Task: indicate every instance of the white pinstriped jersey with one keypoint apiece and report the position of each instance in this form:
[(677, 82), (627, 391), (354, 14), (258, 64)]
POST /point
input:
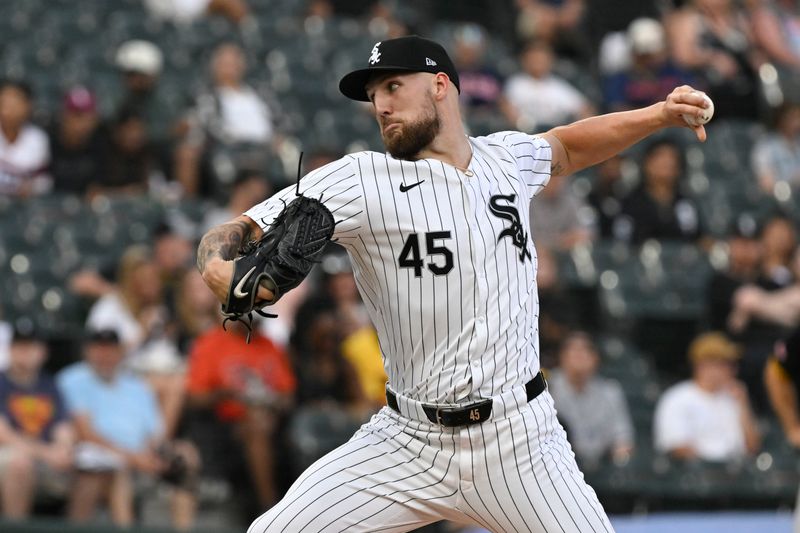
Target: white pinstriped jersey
[(444, 261)]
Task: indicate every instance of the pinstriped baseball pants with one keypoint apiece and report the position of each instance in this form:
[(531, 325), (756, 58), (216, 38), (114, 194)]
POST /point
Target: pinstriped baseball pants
[(516, 473)]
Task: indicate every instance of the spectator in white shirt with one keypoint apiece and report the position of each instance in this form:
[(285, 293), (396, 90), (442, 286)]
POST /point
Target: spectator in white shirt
[(708, 417), (537, 97), (592, 408), (24, 147)]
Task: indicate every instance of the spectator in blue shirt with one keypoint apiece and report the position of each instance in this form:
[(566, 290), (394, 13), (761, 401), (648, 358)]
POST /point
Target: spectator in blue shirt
[(35, 435), (120, 431)]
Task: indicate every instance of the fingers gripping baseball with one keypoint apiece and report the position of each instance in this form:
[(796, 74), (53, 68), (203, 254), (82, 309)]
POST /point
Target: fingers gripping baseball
[(686, 106)]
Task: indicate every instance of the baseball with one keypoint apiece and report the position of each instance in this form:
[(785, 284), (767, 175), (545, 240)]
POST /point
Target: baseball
[(708, 112)]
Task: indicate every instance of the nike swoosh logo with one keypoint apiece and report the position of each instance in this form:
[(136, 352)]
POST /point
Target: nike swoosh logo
[(237, 290), (406, 188)]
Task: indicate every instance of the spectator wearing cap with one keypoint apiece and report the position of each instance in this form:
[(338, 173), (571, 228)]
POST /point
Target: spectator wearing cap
[(120, 435), (145, 97), (480, 84), (709, 416), (593, 409), (36, 437), (651, 75), (78, 144), (24, 147), (776, 156)]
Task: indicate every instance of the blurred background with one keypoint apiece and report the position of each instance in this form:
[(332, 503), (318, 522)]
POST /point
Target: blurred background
[(669, 275)]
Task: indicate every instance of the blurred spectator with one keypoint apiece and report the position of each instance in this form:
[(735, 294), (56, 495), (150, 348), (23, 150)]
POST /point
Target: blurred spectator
[(141, 63), (743, 262), (384, 22), (557, 22), (537, 97), (197, 309), (778, 244), (651, 75), (558, 313), (130, 162), (6, 334), (782, 379), (136, 311), (249, 386), (78, 145), (36, 438), (608, 189), (480, 83), (121, 435), (187, 11), (24, 148), (249, 188), (560, 218), (712, 38), (231, 115), (776, 156), (708, 417), (324, 376), (657, 209), (593, 409), (776, 30)]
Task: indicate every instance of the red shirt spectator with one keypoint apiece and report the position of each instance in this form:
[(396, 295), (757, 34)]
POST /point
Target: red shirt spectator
[(224, 362)]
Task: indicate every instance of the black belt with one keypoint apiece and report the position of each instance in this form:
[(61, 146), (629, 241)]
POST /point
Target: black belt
[(473, 413)]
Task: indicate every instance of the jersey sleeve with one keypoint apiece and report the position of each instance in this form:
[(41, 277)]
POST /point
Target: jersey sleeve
[(336, 185), (531, 154)]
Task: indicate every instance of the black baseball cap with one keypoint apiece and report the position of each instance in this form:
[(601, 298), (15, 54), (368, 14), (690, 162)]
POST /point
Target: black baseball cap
[(411, 54)]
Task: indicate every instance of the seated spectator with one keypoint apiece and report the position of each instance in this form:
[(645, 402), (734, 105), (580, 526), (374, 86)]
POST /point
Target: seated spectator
[(121, 435), (557, 22), (707, 417), (609, 187), (230, 115), (24, 148), (593, 409), (776, 156), (657, 209), (249, 188), (775, 24), (196, 308), (480, 83), (136, 311), (712, 39), (778, 244), (558, 309), (560, 218), (744, 258), (78, 144), (249, 386), (537, 97), (36, 438), (187, 11), (782, 378), (130, 163), (651, 76)]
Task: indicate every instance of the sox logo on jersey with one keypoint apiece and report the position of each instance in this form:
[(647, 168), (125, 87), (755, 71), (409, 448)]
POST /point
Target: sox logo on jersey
[(442, 260)]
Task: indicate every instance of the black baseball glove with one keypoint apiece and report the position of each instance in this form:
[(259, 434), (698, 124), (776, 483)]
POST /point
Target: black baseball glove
[(280, 259)]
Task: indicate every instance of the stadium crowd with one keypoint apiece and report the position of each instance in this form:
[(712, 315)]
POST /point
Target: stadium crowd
[(154, 392)]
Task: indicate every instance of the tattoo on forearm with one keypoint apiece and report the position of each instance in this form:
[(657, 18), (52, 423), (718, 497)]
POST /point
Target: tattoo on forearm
[(223, 241), (556, 169)]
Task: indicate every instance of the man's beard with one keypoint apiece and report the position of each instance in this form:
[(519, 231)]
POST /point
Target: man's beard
[(413, 137)]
